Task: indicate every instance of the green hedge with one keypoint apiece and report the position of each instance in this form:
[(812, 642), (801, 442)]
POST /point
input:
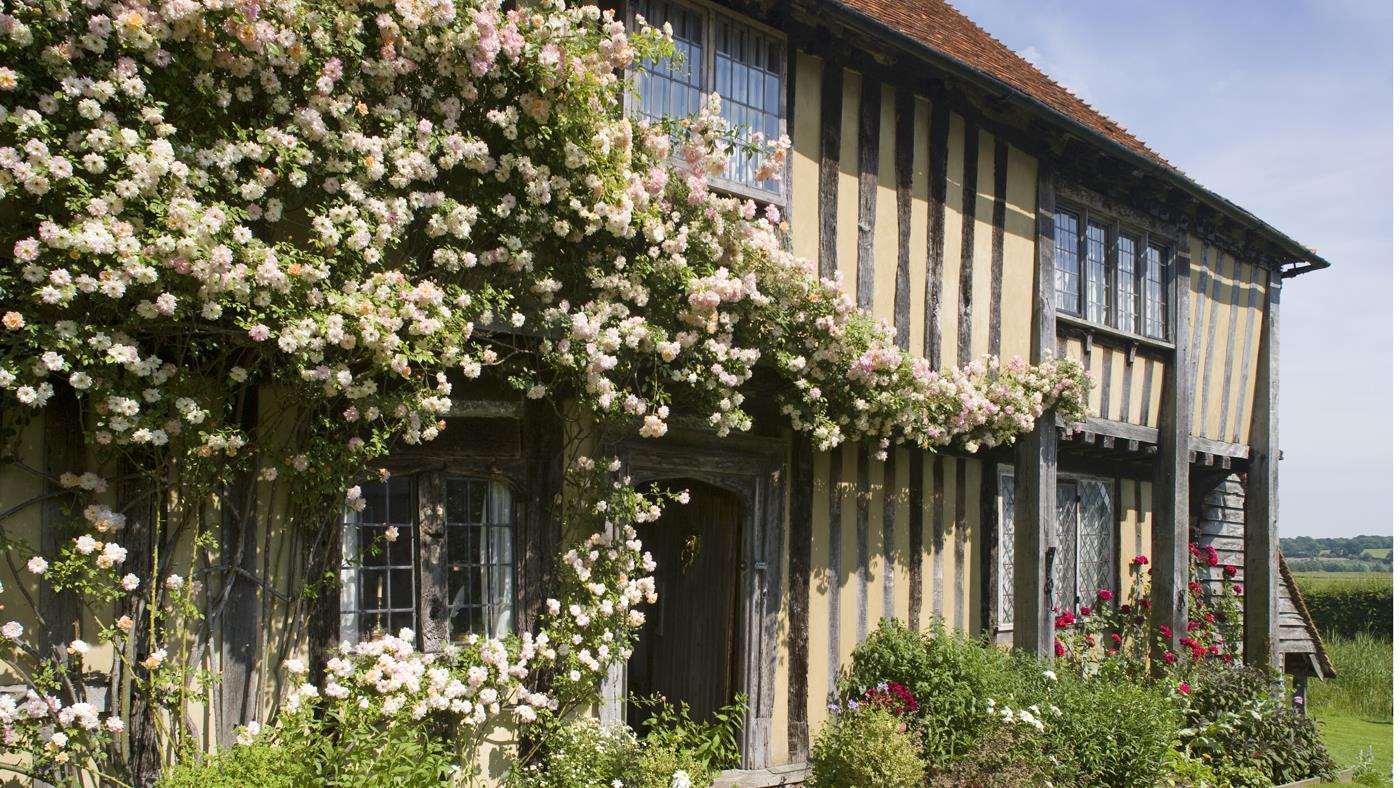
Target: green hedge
[(1351, 608)]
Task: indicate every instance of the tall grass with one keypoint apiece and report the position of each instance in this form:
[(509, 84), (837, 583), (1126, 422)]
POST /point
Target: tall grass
[(1365, 672)]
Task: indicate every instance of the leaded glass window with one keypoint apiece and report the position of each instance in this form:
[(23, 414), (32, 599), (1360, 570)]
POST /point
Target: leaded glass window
[(1111, 275), (1127, 283), (672, 87), (1006, 494), (717, 52), (384, 563), (480, 574), (1084, 556), (1067, 269), (1154, 292), (378, 589)]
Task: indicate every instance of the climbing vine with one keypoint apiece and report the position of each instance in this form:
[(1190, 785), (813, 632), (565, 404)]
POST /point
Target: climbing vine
[(346, 212)]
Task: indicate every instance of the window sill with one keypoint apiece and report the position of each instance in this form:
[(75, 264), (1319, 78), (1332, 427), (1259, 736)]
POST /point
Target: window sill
[(1114, 334)]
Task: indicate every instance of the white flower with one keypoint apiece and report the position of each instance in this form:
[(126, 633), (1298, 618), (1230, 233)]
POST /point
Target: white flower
[(680, 779), (391, 534), (115, 724), (86, 544), (174, 582), (12, 631), (131, 582), (38, 565), (295, 666), (78, 647)]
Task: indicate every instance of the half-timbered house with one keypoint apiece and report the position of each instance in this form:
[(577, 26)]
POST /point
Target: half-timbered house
[(981, 209)]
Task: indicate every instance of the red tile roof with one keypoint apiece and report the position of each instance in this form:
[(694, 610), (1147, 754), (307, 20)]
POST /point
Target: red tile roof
[(936, 24)]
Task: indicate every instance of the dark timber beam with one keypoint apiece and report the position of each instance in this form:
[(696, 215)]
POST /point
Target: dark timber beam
[(1037, 460), (1261, 497), (1171, 477)]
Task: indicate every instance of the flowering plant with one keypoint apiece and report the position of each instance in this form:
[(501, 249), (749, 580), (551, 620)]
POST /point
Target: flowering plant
[(1118, 634), (252, 246)]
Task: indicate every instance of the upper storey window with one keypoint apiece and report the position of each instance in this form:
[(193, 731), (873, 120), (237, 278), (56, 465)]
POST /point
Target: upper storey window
[(1111, 274), (717, 52)]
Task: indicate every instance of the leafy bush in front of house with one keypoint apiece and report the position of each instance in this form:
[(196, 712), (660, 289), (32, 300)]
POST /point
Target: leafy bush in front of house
[(585, 753), (866, 744), (713, 743), (1105, 730), (262, 764), (950, 675), (1236, 719)]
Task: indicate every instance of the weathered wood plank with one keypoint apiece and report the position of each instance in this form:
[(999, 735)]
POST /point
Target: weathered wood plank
[(887, 533), (1230, 344), (240, 621), (1037, 460), (960, 545), (863, 577), (1261, 497), (63, 453), (904, 190), (937, 218), (940, 526), (835, 527), (1201, 422), (1147, 393), (799, 590), (1127, 398), (832, 96), (868, 143), (916, 535), (1106, 382), (998, 244), (971, 147), (1171, 473), (432, 561), (1247, 357)]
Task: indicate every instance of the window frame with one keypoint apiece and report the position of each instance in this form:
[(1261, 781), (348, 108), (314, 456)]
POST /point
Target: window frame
[(1004, 614), (428, 532), (1144, 239), (710, 13)]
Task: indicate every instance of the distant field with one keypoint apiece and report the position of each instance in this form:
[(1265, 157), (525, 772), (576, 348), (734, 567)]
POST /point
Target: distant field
[(1307, 580)]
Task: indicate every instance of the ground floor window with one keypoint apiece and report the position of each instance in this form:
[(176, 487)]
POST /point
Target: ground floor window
[(1083, 561), (383, 560)]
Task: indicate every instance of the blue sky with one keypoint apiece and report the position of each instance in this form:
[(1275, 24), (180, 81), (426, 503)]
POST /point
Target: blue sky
[(1284, 107)]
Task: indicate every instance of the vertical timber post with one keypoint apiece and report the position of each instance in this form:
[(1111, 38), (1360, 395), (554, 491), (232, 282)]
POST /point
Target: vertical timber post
[(1037, 455), (1261, 497), (241, 619), (1171, 476)]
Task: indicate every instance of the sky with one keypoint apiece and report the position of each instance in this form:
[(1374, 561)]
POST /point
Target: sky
[(1284, 107)]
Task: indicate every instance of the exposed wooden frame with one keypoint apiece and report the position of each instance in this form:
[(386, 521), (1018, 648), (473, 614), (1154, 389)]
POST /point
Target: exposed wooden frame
[(799, 590), (241, 622), (1171, 473), (868, 163), (1037, 455), (1261, 496)]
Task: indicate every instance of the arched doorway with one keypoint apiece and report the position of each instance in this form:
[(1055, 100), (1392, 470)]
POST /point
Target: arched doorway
[(687, 648)]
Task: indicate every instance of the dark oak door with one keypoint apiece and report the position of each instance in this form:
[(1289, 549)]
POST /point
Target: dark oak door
[(686, 648)]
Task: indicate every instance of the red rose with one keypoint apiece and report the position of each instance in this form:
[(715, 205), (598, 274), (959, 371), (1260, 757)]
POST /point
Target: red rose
[(1105, 594), (1140, 560), (1059, 648), (1184, 688), (1230, 570)]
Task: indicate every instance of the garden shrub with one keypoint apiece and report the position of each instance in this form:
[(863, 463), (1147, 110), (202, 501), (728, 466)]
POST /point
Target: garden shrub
[(261, 764), (865, 745), (1235, 719), (950, 675), (713, 743), (1102, 730), (1349, 609)]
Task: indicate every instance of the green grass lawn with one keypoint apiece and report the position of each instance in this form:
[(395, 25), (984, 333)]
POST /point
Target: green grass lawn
[(1348, 738), (1354, 710)]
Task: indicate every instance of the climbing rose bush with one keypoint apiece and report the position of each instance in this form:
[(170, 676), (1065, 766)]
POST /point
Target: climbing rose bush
[(350, 209)]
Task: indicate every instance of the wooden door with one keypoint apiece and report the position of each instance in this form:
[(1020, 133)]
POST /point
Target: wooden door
[(686, 648)]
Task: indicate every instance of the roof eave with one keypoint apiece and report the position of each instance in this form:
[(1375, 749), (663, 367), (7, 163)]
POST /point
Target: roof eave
[(1306, 259)]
